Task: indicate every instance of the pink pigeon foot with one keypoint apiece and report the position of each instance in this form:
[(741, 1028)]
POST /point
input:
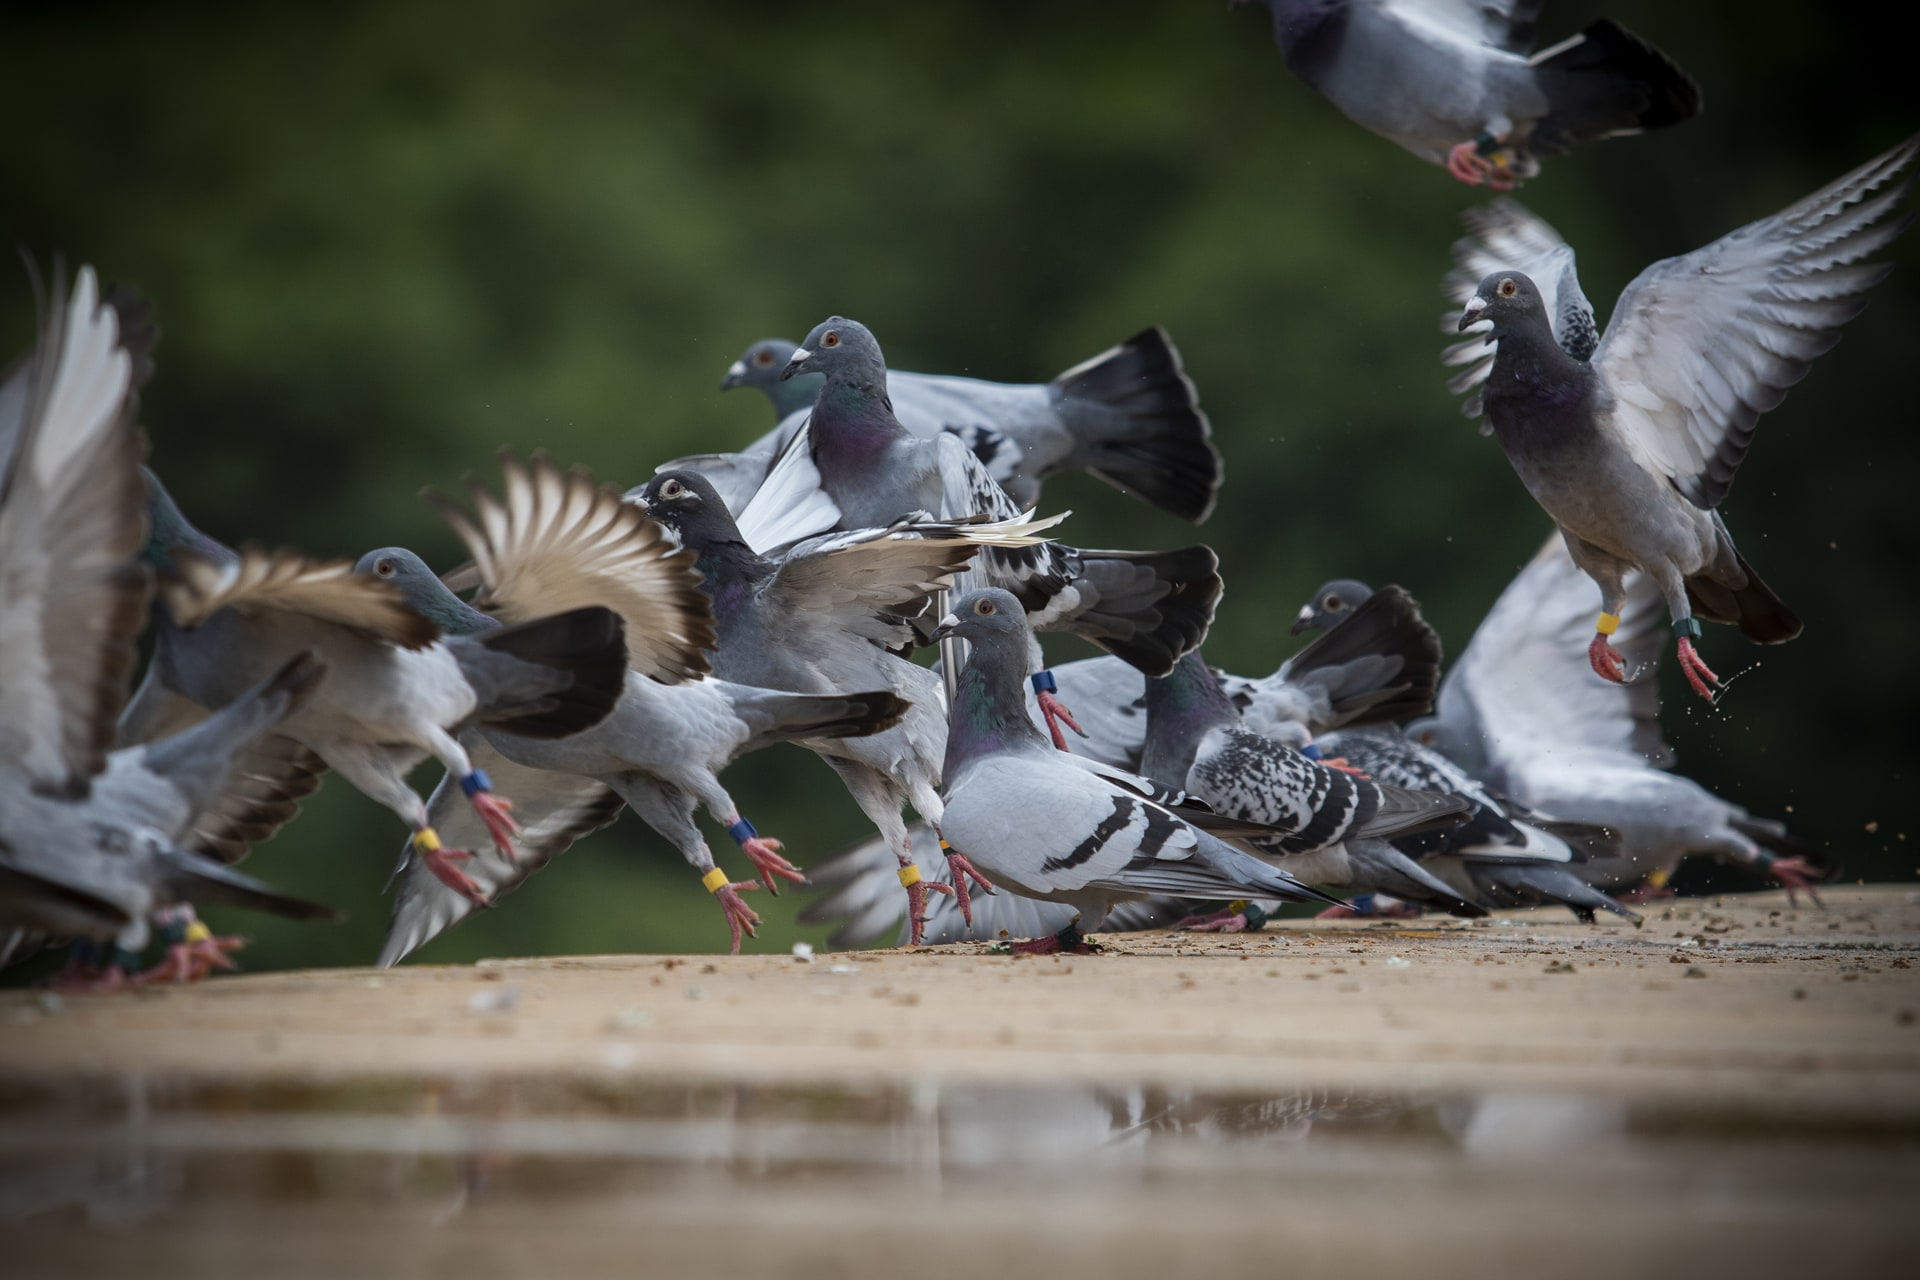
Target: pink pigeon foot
[(1055, 713), (445, 865), (194, 959), (1795, 873), (1235, 919), (496, 812), (1653, 888), (1367, 907), (1695, 668), (962, 871), (740, 916), (917, 890), (1606, 660), (1069, 941), (765, 856), (93, 969), (1467, 164)]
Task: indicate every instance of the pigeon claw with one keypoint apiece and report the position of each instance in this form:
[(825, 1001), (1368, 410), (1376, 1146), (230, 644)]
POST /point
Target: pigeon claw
[(962, 871), (193, 960), (82, 978), (497, 813), (1695, 669), (1340, 763), (766, 859), (1467, 164), (740, 916), (1606, 660), (445, 865), (917, 908), (1055, 713), (1795, 873), (1218, 922)]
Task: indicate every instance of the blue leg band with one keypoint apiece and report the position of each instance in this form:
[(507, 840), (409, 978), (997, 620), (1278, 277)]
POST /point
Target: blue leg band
[(1688, 627), (1363, 905), (742, 831), (1043, 682), (1312, 751), (476, 782)]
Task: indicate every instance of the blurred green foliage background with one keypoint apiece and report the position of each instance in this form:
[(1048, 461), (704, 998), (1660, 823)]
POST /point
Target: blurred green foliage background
[(386, 238)]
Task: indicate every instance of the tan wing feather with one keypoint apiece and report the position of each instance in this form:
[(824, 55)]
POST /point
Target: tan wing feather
[(328, 590)]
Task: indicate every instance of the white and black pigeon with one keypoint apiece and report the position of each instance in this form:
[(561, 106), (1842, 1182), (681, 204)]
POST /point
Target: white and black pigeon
[(1052, 826), (90, 838), (1512, 713), (831, 615), (661, 751), (1632, 450), (1129, 416), (398, 687), (855, 467), (1458, 82)]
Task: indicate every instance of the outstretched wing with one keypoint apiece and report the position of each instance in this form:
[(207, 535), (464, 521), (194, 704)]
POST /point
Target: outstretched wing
[(1498, 24), (1701, 345), (286, 581)]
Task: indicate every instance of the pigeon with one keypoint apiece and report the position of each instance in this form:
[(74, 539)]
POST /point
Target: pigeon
[(1458, 82), (398, 687), (1331, 605), (1583, 751), (855, 466), (660, 751), (87, 834), (1632, 450), (821, 618), (1326, 825), (1129, 416), (1052, 826)]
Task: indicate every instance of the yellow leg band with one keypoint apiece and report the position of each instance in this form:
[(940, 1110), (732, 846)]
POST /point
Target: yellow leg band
[(715, 880), (945, 847), (909, 876), (1658, 878), (1608, 624), (426, 840), (198, 932)]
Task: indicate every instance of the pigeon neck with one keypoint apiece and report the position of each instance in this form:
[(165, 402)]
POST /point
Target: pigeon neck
[(450, 613), (168, 531), (852, 423), (794, 394), (1182, 707), (1309, 33), (729, 572), (989, 713), (1529, 365)]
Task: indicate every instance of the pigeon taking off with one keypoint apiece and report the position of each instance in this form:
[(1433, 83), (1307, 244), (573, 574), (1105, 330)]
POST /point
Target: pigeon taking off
[(1129, 416), (1050, 826), (1457, 82), (1631, 451)]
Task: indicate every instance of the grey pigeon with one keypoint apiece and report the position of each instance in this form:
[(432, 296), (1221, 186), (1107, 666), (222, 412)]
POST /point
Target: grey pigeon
[(88, 837), (1512, 714), (1631, 451), (660, 751), (398, 688), (1327, 825), (1458, 82), (1048, 825), (1129, 416), (855, 466), (821, 618), (1331, 605)]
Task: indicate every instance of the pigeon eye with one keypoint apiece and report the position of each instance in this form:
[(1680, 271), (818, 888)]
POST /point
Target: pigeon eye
[(763, 358), (984, 608), (672, 489), (1508, 289), (831, 340), (1331, 603), (386, 568)]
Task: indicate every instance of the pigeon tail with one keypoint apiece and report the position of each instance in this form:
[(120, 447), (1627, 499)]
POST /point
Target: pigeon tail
[(588, 646), (1772, 835), (797, 717), (1605, 82), (188, 877), (1511, 884), (1136, 423), (1149, 607), (1760, 614), (1381, 664)]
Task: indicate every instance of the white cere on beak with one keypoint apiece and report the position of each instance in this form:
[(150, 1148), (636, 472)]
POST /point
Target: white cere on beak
[(1476, 304), (1306, 613), (799, 354), (738, 369)]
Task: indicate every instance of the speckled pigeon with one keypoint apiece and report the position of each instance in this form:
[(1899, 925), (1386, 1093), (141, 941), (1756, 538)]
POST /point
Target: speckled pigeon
[(1458, 83), (660, 751), (1631, 451), (1056, 827), (1129, 416)]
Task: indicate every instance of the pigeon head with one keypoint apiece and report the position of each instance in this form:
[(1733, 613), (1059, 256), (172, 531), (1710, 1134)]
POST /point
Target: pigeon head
[(690, 507), (423, 591), (1331, 604), (840, 348), (1508, 299), (168, 530), (760, 366), (990, 618)]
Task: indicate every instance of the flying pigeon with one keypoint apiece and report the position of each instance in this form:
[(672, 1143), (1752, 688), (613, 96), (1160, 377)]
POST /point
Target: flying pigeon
[(1458, 83), (1511, 714), (1129, 416), (821, 618), (855, 466), (1059, 828), (660, 751), (87, 835), (1631, 451), (399, 688)]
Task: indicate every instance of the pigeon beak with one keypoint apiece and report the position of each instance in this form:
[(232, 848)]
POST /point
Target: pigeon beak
[(948, 625), (800, 357), (1475, 305), (736, 375), (1302, 622)]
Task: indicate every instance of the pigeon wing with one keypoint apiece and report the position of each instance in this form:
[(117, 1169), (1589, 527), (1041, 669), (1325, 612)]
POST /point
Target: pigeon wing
[(286, 581)]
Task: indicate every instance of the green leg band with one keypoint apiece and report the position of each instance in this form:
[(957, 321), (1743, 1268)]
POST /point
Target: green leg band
[(1688, 627)]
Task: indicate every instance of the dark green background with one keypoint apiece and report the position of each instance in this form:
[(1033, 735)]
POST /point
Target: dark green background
[(386, 238)]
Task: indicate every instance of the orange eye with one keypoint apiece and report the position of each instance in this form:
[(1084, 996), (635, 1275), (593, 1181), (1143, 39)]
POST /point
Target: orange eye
[(763, 357), (386, 568), (672, 489), (984, 608), (1508, 288), (831, 340)]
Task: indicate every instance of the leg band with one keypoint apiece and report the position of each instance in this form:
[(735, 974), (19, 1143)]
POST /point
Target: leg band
[(715, 880), (1312, 751), (909, 876), (426, 840), (476, 782), (1688, 627), (742, 831), (1043, 682), (1607, 624)]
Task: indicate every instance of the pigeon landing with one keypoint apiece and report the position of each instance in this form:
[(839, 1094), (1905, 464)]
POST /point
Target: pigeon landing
[(1129, 416), (1458, 83), (1050, 826), (661, 751), (1631, 452)]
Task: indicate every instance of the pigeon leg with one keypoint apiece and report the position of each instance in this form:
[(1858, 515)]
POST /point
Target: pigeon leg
[(1694, 666), (495, 811), (739, 915), (1312, 752), (1052, 710), (193, 950), (1604, 658), (963, 870), (917, 889), (764, 854), (1368, 907), (1239, 916), (1653, 887), (1483, 160), (1792, 873), (1069, 941), (92, 968), (445, 865)]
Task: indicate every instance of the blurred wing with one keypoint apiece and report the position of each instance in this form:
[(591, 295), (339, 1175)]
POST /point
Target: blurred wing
[(1701, 345), (1526, 676), (263, 793), (1498, 24), (557, 541), (553, 810), (790, 504), (72, 521), (286, 581), (1506, 236)]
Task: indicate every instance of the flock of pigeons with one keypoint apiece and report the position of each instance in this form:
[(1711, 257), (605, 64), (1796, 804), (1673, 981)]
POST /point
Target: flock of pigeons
[(603, 649)]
